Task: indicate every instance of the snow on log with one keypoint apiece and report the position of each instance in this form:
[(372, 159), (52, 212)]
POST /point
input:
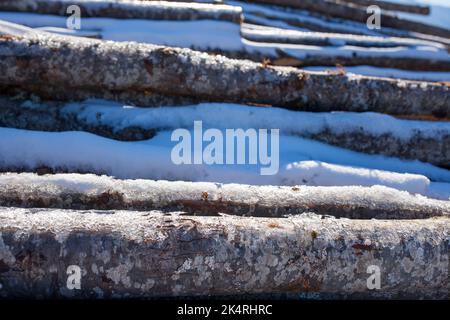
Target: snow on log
[(392, 6), (427, 141), (278, 35), (265, 43), (84, 192), (50, 116), (150, 254), (357, 13), (22, 150), (153, 10), (301, 20), (37, 61)]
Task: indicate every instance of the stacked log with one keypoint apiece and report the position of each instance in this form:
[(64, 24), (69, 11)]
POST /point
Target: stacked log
[(27, 58)]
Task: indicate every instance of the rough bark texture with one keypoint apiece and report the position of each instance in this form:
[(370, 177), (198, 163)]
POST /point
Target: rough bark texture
[(387, 5), (357, 13), (128, 9), (104, 193), (42, 60), (130, 254), (50, 116)]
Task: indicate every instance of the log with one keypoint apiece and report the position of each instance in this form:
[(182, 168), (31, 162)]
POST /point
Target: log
[(86, 192), (357, 13), (278, 35), (40, 60), (426, 141), (400, 53), (393, 6), (260, 17), (50, 116), (140, 255), (153, 10)]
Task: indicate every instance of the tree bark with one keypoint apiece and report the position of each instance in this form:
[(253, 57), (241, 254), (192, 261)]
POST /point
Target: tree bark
[(357, 13), (42, 61), (131, 254), (152, 10), (199, 198)]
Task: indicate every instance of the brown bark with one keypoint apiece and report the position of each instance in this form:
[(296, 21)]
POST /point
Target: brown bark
[(193, 198), (129, 254), (356, 13), (127, 9), (45, 61)]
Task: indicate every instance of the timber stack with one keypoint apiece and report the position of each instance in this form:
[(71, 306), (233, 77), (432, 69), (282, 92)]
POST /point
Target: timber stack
[(87, 120)]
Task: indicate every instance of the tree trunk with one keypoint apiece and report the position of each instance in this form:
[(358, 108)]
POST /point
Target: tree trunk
[(199, 198), (39, 61), (152, 10), (357, 13), (132, 254)]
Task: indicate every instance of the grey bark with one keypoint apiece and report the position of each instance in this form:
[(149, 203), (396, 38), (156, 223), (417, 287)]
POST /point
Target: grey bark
[(15, 112), (127, 9), (357, 13), (387, 5), (39, 60), (104, 193), (129, 254)]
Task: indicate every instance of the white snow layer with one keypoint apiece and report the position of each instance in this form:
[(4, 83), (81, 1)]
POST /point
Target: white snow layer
[(289, 122), (152, 160)]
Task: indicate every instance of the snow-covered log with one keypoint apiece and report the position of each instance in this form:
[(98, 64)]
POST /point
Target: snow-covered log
[(123, 254), (357, 13), (50, 116), (278, 35), (392, 6), (271, 17), (154, 10), (38, 61), (84, 192), (427, 141)]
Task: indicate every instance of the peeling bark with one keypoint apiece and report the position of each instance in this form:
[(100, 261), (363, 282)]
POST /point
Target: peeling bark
[(152, 10), (358, 13), (130, 254), (36, 59), (197, 198)]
